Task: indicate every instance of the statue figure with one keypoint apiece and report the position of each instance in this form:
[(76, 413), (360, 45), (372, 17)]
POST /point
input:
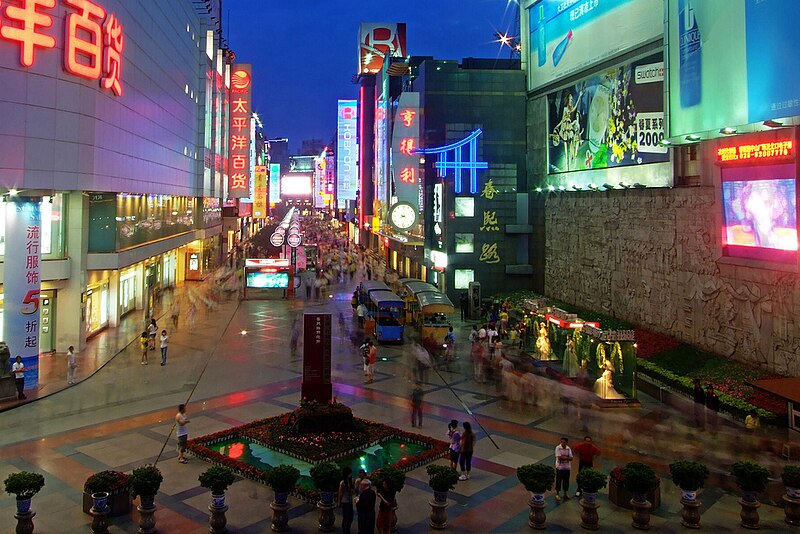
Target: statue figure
[(570, 360), (543, 343)]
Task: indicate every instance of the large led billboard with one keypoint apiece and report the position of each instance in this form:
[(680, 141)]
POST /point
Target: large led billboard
[(760, 212), (376, 40), (267, 280), (569, 36), (732, 62), (346, 152), (296, 184)]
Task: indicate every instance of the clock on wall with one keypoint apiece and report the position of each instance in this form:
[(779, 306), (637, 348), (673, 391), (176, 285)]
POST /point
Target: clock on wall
[(403, 215)]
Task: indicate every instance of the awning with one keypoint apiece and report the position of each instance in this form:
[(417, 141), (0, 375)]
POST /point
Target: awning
[(787, 388), (419, 287), (386, 299), (434, 302)]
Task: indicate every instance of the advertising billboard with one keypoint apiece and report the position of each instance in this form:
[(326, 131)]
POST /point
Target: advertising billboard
[(568, 36), (376, 40), (405, 142), (296, 184), (260, 192), (732, 62), (612, 119), (346, 152), (267, 280), (239, 128), (274, 183)]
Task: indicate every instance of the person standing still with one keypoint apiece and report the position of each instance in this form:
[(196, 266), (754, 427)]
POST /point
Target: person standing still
[(366, 508), (467, 448), (563, 468), (587, 452), (182, 432), (164, 341), (449, 345), (454, 437), (144, 345), (699, 404), (152, 330), (373, 356), (345, 500), (416, 405), (386, 501), (18, 368), (361, 312), (71, 365), (464, 304)]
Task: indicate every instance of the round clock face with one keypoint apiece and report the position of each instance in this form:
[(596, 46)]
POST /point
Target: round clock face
[(403, 216)]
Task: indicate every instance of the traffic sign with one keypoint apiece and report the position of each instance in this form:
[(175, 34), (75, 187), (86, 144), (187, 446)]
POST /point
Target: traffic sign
[(276, 239), (294, 240)]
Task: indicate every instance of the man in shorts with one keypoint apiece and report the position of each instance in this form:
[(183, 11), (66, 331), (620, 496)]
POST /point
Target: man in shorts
[(182, 432)]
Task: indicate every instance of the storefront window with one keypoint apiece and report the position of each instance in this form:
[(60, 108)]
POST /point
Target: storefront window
[(463, 277), (145, 218), (52, 226), (96, 307), (127, 292)]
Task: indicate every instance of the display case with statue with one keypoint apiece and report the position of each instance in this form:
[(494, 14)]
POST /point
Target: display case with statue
[(610, 356)]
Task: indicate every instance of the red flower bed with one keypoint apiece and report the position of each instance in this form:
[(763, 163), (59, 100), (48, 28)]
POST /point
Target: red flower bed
[(651, 343)]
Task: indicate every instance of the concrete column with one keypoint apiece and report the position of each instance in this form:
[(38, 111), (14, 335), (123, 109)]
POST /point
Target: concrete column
[(113, 299), (71, 329)]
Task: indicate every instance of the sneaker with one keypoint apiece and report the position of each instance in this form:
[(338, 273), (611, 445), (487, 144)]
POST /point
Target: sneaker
[(558, 497), (578, 493), (462, 477)]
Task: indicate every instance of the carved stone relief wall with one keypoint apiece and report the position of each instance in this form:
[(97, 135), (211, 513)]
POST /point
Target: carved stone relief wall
[(651, 256)]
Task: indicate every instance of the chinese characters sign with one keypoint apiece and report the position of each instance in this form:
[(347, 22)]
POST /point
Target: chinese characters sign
[(239, 142), (93, 38), (376, 40), (346, 153), (260, 192), (22, 283), (759, 151), (317, 357), (405, 142)]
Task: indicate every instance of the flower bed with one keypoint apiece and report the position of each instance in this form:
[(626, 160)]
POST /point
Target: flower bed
[(275, 434)]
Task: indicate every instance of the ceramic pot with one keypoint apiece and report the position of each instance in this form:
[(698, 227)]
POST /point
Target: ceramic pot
[(100, 500)]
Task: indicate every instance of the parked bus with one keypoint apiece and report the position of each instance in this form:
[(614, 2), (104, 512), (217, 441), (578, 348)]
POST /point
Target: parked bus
[(387, 310), (368, 286), (412, 288), (434, 308)]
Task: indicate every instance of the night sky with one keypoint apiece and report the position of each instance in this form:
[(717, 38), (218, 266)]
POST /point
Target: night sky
[(304, 52)]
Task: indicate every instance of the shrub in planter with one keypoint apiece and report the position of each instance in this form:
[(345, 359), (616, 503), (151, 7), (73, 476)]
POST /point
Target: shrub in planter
[(591, 480), (639, 478), (791, 476), (443, 478), (395, 476), (282, 478), (326, 476), (750, 476), (537, 478), (217, 478), (314, 416), (145, 481), (24, 484), (109, 481), (687, 475)]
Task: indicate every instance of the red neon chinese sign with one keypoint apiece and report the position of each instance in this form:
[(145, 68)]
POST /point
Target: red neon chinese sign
[(93, 40), (408, 175), (239, 138), (407, 146), (756, 151), (407, 116)]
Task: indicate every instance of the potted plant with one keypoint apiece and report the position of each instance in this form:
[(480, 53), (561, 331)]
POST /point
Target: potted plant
[(443, 478), (751, 478), (690, 477), (640, 479), (217, 478), (144, 483), (24, 485), (791, 480), (282, 480), (397, 479), (620, 494), (537, 479), (326, 477), (590, 481), (116, 484)]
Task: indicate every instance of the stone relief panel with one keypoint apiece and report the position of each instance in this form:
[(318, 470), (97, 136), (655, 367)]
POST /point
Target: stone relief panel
[(650, 257)]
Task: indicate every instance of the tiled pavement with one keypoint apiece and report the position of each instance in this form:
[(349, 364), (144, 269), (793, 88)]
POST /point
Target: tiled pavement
[(121, 418)]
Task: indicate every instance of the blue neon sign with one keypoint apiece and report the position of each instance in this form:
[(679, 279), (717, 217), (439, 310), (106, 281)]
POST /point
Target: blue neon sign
[(451, 157)]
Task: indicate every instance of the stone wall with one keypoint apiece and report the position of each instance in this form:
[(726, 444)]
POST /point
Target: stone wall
[(653, 257)]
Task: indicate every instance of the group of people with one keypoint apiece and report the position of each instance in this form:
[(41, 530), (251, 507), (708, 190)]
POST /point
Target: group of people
[(362, 494), (462, 447), (147, 342), (706, 406), (586, 452), (369, 354)]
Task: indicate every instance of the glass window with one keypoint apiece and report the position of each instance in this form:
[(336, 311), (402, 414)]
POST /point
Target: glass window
[(464, 277), (465, 243), (52, 222), (465, 207)]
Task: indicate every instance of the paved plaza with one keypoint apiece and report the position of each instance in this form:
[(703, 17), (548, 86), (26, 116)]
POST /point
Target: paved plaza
[(120, 414)]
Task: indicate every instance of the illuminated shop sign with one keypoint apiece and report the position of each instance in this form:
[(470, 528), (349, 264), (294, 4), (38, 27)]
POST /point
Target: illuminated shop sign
[(757, 151), (93, 38), (376, 40), (405, 142), (239, 143), (274, 183), (452, 157), (346, 153), (260, 192)]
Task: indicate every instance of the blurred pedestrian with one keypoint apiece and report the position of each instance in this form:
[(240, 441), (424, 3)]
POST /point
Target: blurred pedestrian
[(72, 364), (449, 345), (417, 395), (699, 404), (712, 403), (174, 314), (463, 302)]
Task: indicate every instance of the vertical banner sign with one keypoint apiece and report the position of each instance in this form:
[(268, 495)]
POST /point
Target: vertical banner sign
[(376, 41), (239, 142), (22, 284), (260, 192), (317, 357), (319, 182), (405, 142), (274, 183), (346, 153)]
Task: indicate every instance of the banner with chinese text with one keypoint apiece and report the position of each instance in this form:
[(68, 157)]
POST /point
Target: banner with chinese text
[(239, 142), (405, 140), (260, 192)]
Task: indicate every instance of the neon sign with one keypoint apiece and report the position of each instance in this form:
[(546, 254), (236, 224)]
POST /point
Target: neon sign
[(239, 140), (775, 149), (93, 39), (406, 176), (459, 164)]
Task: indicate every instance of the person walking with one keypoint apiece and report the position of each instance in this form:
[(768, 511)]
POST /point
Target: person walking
[(563, 468), (174, 313), (416, 405), (463, 302), (181, 430), (454, 437), (18, 368), (144, 344), (345, 500), (449, 345), (386, 496), (71, 365), (152, 330), (587, 452), (467, 448), (712, 403), (361, 312), (164, 340), (366, 508), (752, 423), (699, 404)]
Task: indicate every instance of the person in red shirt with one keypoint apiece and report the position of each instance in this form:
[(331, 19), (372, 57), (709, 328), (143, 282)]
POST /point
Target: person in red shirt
[(587, 452)]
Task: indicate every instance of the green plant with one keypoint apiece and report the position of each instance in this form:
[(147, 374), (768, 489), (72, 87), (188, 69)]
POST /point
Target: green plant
[(145, 481), (688, 475), (750, 476), (442, 477), (537, 478), (282, 478), (591, 480), (791, 476), (217, 478), (639, 478), (395, 476), (108, 481), (326, 476), (24, 484)]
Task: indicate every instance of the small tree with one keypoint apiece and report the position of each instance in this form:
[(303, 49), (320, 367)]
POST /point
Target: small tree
[(537, 478), (687, 475), (217, 478), (750, 476), (443, 478), (282, 478), (24, 484), (591, 480), (145, 480)]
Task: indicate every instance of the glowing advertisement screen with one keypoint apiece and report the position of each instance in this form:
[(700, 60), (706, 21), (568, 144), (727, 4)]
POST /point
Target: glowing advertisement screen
[(760, 213), (296, 184), (346, 153), (612, 119), (712, 43), (259, 280), (274, 183), (568, 36)]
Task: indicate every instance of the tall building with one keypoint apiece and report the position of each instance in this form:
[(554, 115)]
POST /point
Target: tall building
[(118, 123)]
